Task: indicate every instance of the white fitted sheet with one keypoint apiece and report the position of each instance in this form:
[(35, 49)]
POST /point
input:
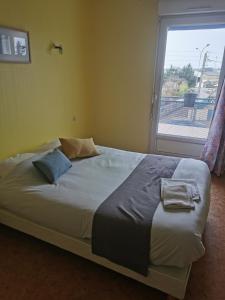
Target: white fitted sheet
[(69, 205)]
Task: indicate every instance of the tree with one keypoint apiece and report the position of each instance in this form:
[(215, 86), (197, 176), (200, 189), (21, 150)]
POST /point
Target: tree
[(185, 73), (188, 73), (171, 72)]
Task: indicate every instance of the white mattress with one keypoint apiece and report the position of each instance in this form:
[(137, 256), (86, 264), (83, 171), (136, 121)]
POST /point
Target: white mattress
[(69, 205)]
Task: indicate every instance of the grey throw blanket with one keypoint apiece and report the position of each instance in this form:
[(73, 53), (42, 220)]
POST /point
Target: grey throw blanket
[(121, 229)]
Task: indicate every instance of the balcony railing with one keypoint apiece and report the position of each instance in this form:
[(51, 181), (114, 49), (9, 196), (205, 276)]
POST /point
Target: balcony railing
[(173, 111)]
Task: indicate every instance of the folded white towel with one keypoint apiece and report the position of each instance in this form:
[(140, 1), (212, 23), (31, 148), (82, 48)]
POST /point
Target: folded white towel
[(179, 193), (191, 184)]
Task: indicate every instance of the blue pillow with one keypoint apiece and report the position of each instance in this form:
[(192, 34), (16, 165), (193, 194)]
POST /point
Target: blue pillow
[(53, 165)]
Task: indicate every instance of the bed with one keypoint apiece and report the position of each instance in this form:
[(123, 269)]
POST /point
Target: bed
[(62, 213)]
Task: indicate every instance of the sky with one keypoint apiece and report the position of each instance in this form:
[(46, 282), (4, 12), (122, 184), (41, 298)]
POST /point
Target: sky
[(182, 44)]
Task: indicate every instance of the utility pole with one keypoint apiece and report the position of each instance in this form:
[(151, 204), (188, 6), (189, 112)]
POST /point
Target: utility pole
[(202, 72)]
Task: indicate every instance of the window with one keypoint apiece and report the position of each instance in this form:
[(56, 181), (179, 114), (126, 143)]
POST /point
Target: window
[(191, 75), (189, 71)]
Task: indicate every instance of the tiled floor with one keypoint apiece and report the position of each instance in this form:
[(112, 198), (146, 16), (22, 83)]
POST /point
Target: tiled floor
[(181, 130)]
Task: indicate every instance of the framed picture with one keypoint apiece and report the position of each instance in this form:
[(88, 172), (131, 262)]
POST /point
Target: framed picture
[(14, 45)]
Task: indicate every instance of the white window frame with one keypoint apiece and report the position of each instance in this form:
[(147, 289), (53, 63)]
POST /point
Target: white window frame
[(165, 22), (174, 7)]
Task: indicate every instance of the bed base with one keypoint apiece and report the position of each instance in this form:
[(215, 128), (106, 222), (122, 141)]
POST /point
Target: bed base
[(170, 280)]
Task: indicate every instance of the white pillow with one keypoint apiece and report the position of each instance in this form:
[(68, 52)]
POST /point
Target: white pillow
[(7, 165), (48, 146)]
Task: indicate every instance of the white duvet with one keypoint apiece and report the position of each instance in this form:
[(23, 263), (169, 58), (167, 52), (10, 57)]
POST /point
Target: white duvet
[(69, 205)]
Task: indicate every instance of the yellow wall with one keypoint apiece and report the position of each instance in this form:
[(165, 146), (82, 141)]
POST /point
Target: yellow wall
[(121, 69), (104, 77), (38, 100)]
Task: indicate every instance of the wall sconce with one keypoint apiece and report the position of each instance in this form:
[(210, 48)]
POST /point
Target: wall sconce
[(58, 47)]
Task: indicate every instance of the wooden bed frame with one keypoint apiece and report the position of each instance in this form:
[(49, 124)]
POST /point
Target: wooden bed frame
[(170, 280)]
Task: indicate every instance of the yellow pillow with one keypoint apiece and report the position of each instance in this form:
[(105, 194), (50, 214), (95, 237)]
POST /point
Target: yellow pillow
[(73, 147)]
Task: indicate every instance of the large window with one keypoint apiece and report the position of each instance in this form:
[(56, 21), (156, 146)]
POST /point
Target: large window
[(192, 68)]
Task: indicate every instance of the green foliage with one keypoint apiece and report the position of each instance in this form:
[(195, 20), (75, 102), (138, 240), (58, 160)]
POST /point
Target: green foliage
[(185, 73), (183, 88), (171, 72)]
